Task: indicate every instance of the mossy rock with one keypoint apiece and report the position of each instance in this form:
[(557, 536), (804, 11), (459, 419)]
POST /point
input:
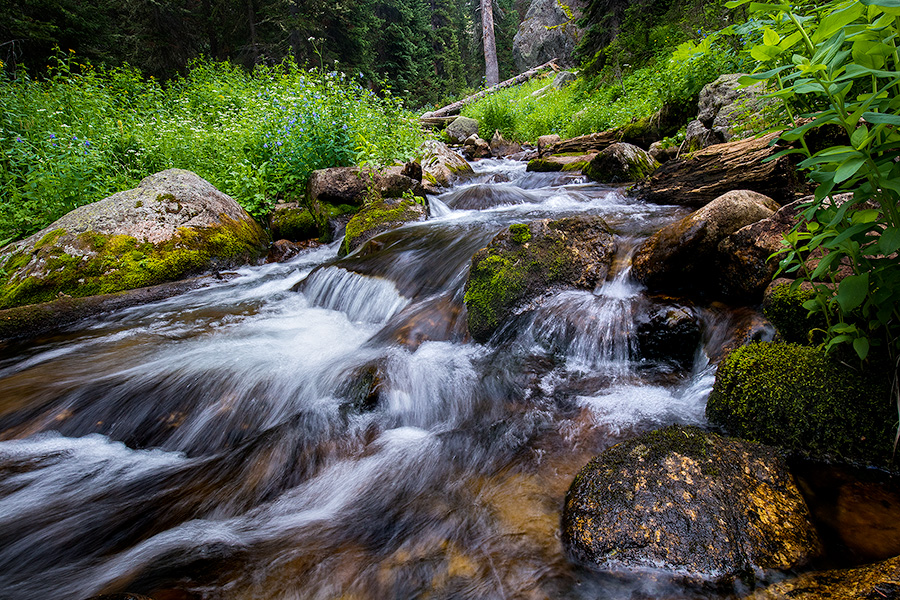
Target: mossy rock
[(878, 581), (173, 225), (783, 306), (802, 399), (620, 163), (294, 224), (692, 503), (559, 162), (377, 216), (528, 259)]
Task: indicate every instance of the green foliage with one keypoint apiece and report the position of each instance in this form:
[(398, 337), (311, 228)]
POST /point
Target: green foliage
[(83, 133), (838, 65), (805, 400)]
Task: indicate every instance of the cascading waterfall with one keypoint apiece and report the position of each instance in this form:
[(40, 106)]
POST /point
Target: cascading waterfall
[(324, 428)]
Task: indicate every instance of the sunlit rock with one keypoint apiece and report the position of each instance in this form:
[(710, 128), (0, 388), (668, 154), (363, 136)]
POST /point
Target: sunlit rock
[(877, 581), (691, 503), (441, 166), (475, 147)]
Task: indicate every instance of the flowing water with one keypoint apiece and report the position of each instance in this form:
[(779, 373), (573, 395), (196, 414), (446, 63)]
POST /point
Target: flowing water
[(323, 428)]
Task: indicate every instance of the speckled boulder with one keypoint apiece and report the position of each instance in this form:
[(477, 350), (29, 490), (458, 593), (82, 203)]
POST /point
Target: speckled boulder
[(683, 256), (689, 502), (172, 225), (620, 163), (526, 260)]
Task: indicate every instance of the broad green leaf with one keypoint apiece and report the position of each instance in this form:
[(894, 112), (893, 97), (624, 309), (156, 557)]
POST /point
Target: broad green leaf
[(890, 240), (873, 117), (824, 265), (882, 3), (790, 40), (861, 345), (859, 136), (852, 290), (764, 53), (865, 216), (848, 168), (768, 8), (770, 38), (736, 3), (836, 21)]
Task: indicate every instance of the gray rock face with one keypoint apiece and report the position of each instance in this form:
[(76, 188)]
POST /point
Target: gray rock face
[(698, 136), (441, 166), (667, 330), (726, 111), (691, 503), (620, 163), (461, 128), (546, 33), (172, 225), (683, 255), (563, 79)]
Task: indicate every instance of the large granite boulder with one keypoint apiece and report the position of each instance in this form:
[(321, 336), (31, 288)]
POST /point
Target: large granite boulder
[(547, 33), (461, 128), (620, 163), (172, 225), (526, 260), (707, 174), (692, 503), (441, 166), (683, 256), (803, 399), (379, 215)]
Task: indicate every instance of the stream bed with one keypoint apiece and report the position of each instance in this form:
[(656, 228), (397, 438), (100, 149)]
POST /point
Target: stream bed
[(324, 428)]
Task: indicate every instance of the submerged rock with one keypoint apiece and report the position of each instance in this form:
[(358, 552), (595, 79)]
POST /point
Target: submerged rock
[(683, 255), (174, 224), (441, 166), (879, 581), (620, 163), (379, 215), (528, 259), (805, 400), (667, 330), (692, 503)]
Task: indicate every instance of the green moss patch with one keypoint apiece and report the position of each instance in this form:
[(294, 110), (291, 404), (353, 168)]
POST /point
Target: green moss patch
[(783, 306), (800, 398), (294, 225), (380, 215), (101, 264)]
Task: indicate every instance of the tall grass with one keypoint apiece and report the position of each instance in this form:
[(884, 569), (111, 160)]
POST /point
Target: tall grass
[(610, 100), (80, 134)]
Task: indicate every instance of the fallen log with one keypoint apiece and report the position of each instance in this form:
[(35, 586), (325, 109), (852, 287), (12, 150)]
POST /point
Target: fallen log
[(520, 78)]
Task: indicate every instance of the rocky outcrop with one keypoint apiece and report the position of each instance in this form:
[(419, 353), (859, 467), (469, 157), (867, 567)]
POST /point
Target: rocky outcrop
[(709, 173), (728, 110), (692, 503), (871, 582), (379, 215), (441, 166), (683, 256), (172, 225), (528, 259), (800, 398), (620, 163), (461, 128), (474, 147), (547, 33)]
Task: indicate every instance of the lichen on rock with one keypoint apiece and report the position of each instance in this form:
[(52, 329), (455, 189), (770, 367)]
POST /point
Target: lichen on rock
[(172, 225), (692, 503)]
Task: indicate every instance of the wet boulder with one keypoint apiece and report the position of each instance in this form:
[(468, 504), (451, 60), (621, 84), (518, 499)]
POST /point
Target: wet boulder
[(527, 260), (475, 147), (482, 196), (879, 581), (703, 176), (379, 215), (810, 402), (682, 256), (441, 166), (620, 163), (692, 503), (173, 225), (551, 163), (783, 305), (667, 330), (461, 128)]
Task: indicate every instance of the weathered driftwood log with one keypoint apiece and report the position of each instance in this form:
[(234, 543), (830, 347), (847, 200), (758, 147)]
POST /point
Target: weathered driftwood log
[(456, 106), (712, 171)]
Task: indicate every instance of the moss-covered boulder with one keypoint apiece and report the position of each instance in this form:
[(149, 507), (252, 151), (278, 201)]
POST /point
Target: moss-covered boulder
[(294, 223), (620, 163), (552, 163), (526, 260), (172, 225), (879, 581), (783, 306), (377, 216), (692, 503), (683, 256), (441, 166), (802, 399), (354, 185)]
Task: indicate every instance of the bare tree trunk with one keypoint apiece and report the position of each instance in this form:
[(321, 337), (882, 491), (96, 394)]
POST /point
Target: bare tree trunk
[(491, 72)]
